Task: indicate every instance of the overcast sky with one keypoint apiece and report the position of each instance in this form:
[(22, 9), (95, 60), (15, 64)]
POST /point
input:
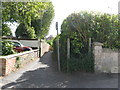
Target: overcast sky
[(63, 8)]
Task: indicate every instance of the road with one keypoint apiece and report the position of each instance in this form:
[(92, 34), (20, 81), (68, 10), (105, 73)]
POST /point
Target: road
[(43, 73)]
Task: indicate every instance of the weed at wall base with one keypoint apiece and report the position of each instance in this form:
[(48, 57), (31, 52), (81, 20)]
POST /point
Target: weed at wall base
[(18, 63)]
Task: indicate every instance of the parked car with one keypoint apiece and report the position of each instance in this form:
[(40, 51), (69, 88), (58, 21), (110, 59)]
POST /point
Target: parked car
[(19, 47)]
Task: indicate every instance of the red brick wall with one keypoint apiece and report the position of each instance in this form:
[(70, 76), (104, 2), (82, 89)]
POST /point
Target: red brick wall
[(10, 65), (7, 65), (2, 66)]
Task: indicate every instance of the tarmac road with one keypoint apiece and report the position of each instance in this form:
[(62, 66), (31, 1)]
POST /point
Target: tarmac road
[(43, 73)]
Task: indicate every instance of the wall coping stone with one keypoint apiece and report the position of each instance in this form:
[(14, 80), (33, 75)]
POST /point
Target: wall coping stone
[(18, 54), (97, 44)]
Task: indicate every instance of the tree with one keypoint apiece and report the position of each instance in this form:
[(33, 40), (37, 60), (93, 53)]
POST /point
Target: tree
[(22, 12), (42, 25), (101, 27), (26, 13), (25, 31), (6, 30)]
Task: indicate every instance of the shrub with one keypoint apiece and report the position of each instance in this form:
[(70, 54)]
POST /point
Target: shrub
[(83, 63), (17, 63), (50, 42), (101, 27), (79, 27), (7, 48)]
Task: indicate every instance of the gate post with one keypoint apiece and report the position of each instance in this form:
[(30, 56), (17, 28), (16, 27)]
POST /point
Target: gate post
[(68, 48), (89, 46), (68, 51)]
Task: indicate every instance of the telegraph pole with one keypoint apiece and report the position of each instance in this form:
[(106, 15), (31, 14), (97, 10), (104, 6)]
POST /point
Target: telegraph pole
[(58, 48)]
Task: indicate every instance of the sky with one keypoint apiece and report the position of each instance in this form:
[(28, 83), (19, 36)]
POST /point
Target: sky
[(63, 8)]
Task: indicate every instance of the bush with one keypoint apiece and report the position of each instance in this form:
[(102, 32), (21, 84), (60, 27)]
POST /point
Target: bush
[(18, 62), (7, 48), (101, 27), (50, 42), (79, 27), (84, 63)]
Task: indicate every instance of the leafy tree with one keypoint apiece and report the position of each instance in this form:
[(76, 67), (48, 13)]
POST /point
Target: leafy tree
[(6, 30), (28, 13), (106, 30), (100, 27), (25, 31), (21, 12), (42, 25)]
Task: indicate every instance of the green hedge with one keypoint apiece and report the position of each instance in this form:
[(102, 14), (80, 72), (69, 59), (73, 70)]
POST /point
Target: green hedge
[(85, 63), (79, 27)]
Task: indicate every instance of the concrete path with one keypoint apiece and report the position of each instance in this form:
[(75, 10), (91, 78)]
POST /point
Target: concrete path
[(43, 73)]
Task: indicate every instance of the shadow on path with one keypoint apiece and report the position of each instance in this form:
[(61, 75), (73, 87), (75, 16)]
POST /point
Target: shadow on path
[(47, 76)]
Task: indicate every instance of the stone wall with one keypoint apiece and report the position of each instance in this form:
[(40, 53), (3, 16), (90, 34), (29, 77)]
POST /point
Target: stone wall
[(106, 60), (44, 47)]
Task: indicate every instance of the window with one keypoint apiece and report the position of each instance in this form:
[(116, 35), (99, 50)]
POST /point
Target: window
[(16, 44)]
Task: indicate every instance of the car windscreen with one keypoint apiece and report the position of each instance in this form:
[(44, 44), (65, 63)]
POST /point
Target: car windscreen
[(16, 44)]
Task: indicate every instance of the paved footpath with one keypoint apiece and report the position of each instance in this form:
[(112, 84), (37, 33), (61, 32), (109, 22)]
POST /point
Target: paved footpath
[(43, 73)]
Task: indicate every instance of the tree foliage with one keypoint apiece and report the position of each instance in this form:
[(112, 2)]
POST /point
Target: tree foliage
[(42, 25), (6, 30), (100, 27), (27, 13), (21, 12), (25, 31), (79, 27)]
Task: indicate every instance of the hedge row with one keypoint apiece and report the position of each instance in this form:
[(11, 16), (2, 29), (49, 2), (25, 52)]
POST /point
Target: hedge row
[(79, 27)]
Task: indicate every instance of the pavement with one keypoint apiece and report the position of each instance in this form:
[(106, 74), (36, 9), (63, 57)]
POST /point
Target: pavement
[(44, 73)]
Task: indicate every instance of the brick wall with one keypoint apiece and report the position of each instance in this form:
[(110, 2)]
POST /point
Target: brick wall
[(7, 63), (2, 66)]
